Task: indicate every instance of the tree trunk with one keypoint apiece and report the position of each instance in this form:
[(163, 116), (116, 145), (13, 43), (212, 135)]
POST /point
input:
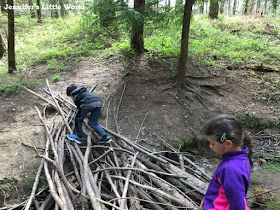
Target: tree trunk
[(258, 6), (11, 39), (221, 7), (274, 5), (3, 4), (265, 7), (54, 12), (234, 7), (32, 11), (214, 9), (246, 5), (137, 38), (181, 68), (2, 46), (251, 7), (62, 11), (39, 14)]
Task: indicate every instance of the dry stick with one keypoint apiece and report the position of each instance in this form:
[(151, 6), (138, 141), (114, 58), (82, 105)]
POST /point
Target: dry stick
[(123, 202), (113, 186), (116, 89), (95, 204), (59, 109), (158, 191), (93, 184), (101, 156), (60, 100), (142, 125), (167, 186), (37, 178), (118, 108), (135, 146), (60, 171), (254, 196), (76, 172), (107, 114), (36, 94), (51, 185), (208, 178), (146, 171)]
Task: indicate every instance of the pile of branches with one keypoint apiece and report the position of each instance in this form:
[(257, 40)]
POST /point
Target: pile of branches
[(119, 175)]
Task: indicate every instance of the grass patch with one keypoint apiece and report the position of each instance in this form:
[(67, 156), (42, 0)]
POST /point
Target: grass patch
[(273, 167)]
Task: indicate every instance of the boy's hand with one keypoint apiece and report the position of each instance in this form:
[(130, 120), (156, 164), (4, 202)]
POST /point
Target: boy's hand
[(202, 204)]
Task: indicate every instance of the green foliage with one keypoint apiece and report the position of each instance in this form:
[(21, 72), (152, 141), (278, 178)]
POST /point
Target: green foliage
[(251, 121), (57, 65), (273, 167), (180, 145), (55, 78), (273, 204), (8, 89)]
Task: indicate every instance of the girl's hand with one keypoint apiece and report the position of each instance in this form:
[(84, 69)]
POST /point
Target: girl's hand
[(202, 204)]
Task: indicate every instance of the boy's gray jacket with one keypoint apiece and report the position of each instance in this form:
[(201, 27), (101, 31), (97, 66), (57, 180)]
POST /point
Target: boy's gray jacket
[(84, 99)]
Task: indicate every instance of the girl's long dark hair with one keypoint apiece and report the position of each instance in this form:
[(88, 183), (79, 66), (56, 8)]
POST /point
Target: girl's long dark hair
[(227, 127)]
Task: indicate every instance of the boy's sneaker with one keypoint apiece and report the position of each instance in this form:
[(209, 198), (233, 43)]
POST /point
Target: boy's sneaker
[(75, 138), (105, 139)]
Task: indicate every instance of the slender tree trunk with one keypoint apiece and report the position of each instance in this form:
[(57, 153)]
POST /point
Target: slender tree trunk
[(137, 38), (258, 5), (221, 7), (201, 7), (251, 7), (32, 11), (2, 46), (265, 7), (54, 12), (181, 68), (11, 39), (246, 5), (229, 7), (62, 11), (214, 9), (39, 14), (234, 7), (3, 4), (274, 5)]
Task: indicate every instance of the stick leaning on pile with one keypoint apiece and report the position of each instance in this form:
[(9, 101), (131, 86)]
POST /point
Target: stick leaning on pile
[(112, 179)]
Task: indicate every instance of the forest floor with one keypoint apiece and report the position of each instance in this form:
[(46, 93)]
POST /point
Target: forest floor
[(139, 90)]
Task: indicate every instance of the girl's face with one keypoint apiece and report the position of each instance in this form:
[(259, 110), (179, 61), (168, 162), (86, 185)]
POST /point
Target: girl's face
[(220, 148)]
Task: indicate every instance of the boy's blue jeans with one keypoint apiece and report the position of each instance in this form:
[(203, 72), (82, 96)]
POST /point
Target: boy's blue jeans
[(92, 121)]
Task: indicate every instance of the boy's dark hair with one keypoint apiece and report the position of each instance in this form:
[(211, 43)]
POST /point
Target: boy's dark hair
[(226, 127), (70, 89)]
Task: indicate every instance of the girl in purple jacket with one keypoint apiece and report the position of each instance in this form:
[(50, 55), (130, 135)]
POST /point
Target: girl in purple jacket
[(231, 180)]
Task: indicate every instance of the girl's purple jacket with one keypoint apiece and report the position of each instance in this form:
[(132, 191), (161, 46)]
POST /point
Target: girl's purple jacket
[(229, 185)]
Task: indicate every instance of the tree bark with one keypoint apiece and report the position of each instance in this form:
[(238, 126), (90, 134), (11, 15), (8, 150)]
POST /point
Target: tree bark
[(11, 39), (246, 5), (39, 14), (234, 7), (2, 46), (32, 11), (137, 37), (221, 7), (181, 69), (54, 12), (274, 5), (214, 9), (258, 5), (3, 4), (62, 11)]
